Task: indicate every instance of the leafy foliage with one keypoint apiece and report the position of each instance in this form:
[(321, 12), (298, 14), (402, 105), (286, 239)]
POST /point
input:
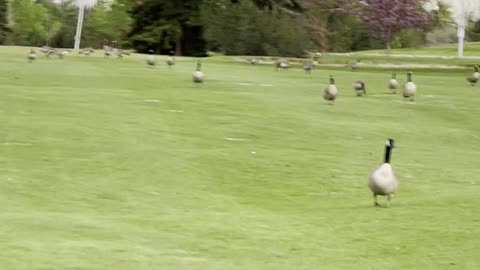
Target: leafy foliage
[(3, 21), (387, 17)]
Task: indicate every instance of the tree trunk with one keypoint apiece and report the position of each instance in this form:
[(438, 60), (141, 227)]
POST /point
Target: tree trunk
[(178, 43)]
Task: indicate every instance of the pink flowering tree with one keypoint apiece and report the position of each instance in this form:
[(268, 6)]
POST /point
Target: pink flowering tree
[(387, 17)]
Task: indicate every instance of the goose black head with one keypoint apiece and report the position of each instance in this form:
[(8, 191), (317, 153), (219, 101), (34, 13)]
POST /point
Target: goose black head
[(332, 80), (409, 76), (390, 143)]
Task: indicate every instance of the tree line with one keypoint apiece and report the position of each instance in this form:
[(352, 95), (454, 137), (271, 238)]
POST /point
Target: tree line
[(233, 27)]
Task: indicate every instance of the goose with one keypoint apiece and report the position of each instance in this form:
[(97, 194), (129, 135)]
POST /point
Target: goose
[(170, 60), (308, 67), (58, 52), (253, 61), (393, 83), (281, 64), (151, 60), (355, 65), (410, 88), (198, 74), (46, 50), (86, 51), (107, 50), (359, 87), (31, 56), (382, 180), (473, 79), (331, 90)]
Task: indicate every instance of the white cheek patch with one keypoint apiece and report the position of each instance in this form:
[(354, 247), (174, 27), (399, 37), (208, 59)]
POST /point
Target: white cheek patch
[(387, 143)]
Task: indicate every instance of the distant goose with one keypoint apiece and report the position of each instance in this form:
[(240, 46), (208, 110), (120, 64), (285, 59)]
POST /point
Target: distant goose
[(46, 50), (31, 56), (331, 90), (359, 87), (473, 79), (393, 83), (59, 52), (198, 74), (308, 67), (86, 51), (170, 61), (151, 60), (253, 61), (355, 65), (281, 64), (382, 181), (410, 88)]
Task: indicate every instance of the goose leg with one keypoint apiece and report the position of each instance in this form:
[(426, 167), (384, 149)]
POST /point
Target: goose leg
[(375, 202), (389, 199)]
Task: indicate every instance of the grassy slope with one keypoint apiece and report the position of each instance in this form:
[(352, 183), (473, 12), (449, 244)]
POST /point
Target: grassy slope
[(94, 177), (470, 49)]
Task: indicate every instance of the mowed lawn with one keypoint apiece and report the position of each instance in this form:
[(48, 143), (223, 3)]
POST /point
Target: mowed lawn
[(108, 164)]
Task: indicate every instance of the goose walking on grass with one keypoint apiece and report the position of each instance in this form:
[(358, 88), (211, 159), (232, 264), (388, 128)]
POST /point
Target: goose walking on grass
[(198, 74), (86, 51), (382, 181), (331, 91), (473, 79), (356, 65), (410, 88), (252, 61), (393, 83), (32, 55), (359, 87), (170, 61), (308, 67), (151, 60), (281, 64)]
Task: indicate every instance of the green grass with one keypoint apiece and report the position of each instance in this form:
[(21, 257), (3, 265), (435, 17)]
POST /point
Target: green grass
[(93, 177), (470, 49)]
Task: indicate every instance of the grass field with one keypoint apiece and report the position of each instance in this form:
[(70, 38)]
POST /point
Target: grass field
[(107, 164)]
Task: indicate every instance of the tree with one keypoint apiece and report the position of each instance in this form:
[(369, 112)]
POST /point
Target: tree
[(108, 20), (28, 19), (3, 21), (462, 12), (387, 17), (168, 25)]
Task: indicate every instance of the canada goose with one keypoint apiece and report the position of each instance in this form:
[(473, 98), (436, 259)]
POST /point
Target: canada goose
[(392, 83), (281, 64), (170, 61), (382, 181), (356, 65), (308, 67), (86, 51), (473, 79), (198, 74), (252, 61), (107, 50), (410, 88), (331, 90), (46, 50), (359, 87), (31, 56), (58, 52), (151, 60), (316, 58)]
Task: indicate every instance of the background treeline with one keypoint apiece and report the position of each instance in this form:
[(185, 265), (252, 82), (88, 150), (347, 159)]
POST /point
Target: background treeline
[(193, 27)]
